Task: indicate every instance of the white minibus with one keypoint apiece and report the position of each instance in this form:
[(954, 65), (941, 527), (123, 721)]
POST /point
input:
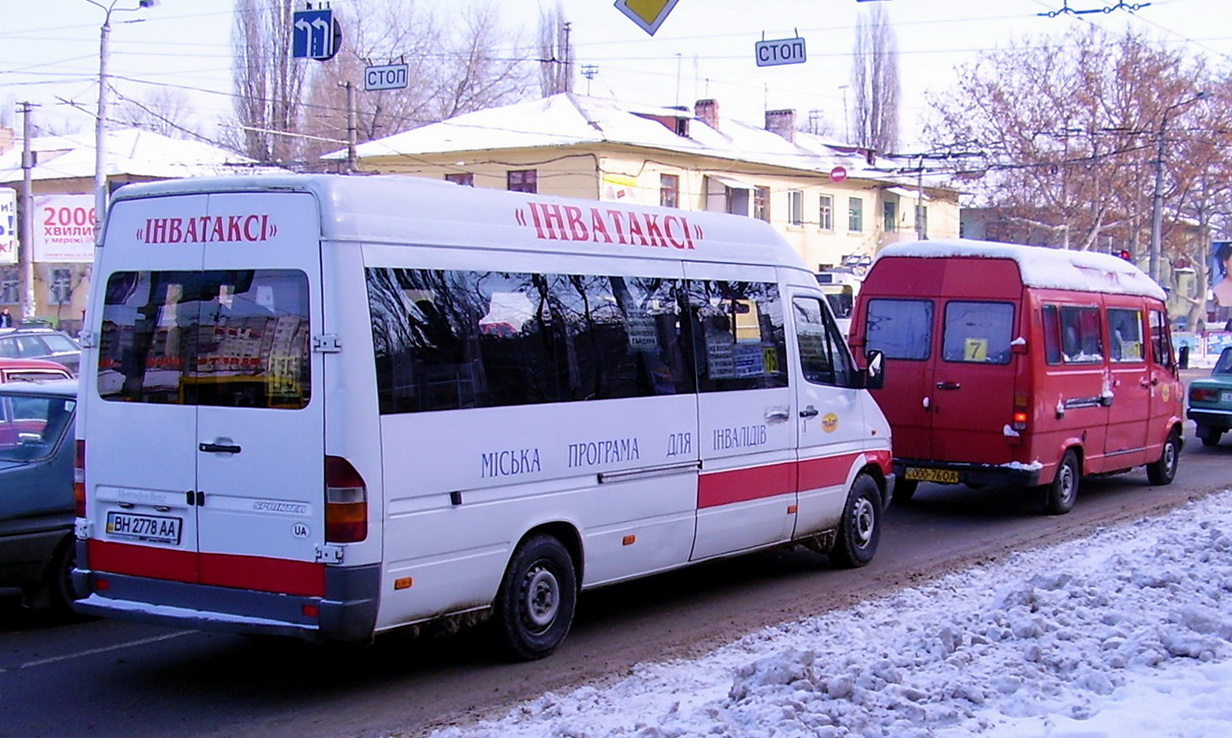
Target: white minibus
[(332, 407)]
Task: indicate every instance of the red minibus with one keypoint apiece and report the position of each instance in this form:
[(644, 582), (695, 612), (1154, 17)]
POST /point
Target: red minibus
[(1020, 365)]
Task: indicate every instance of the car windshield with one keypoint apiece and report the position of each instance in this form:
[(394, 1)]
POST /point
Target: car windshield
[(1224, 365), (31, 426)]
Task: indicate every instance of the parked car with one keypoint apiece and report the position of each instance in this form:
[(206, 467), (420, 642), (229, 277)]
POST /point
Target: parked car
[(1210, 401), (40, 343), (31, 370), (37, 546)]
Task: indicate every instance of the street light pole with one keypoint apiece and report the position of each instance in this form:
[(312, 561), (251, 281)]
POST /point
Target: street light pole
[(100, 124), (1157, 200)]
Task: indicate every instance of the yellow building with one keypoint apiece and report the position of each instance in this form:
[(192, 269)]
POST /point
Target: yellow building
[(832, 202)]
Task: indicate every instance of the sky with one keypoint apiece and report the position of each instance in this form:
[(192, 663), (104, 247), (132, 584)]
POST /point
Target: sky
[(1125, 633), (49, 50)]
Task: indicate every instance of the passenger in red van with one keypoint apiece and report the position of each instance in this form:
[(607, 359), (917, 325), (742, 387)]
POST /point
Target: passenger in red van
[(1020, 365)]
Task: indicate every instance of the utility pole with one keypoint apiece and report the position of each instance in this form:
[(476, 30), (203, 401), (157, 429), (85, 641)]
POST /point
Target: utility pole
[(100, 124), (352, 161), (1157, 200), (26, 253)]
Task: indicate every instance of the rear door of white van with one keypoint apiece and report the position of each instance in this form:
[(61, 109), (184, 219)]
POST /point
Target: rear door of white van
[(204, 432)]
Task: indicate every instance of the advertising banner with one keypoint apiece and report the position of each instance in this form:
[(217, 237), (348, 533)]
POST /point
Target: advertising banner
[(64, 228), (8, 226)]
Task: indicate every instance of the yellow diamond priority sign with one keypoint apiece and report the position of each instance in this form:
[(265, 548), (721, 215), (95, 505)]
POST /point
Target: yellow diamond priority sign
[(649, 14)]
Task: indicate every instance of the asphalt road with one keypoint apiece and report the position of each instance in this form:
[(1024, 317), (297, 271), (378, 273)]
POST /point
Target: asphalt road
[(103, 678)]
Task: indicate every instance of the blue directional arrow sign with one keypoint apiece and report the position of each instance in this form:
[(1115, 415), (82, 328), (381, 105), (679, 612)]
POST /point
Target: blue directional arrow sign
[(313, 34)]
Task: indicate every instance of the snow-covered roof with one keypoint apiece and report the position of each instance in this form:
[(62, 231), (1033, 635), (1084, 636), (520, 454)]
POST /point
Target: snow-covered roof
[(131, 152), (569, 119), (1086, 271)]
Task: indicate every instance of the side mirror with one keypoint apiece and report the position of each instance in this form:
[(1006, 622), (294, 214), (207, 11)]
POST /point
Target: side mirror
[(874, 374)]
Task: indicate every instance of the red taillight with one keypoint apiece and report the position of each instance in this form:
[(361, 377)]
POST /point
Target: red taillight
[(1203, 394), (1022, 404), (79, 479), (346, 502)]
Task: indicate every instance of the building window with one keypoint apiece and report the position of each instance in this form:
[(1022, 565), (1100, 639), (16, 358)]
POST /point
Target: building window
[(8, 287), (61, 286), (890, 215), (795, 207), (855, 214), (522, 180), (761, 203), (669, 190), (826, 217), (466, 179)]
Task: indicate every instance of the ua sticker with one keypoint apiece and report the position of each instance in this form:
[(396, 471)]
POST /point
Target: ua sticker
[(300, 530)]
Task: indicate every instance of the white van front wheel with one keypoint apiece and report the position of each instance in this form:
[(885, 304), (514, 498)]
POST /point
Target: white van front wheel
[(859, 531), (535, 604)]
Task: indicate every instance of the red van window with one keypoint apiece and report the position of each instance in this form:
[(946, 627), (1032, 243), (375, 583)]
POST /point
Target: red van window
[(1161, 340), (1081, 338), (1125, 335), (1052, 335), (978, 332), (901, 329)]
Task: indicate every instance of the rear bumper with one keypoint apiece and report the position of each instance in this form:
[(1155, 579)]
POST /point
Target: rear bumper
[(346, 613), (1211, 418), (975, 474)]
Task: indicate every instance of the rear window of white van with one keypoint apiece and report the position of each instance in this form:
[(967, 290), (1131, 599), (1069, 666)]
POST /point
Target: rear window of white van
[(446, 340), (233, 338)]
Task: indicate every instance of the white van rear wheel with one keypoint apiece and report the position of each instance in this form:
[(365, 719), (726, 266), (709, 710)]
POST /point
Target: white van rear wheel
[(534, 607)]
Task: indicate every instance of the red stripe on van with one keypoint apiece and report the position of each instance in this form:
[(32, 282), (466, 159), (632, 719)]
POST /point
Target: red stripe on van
[(142, 561), (826, 472), (283, 576), (741, 485)]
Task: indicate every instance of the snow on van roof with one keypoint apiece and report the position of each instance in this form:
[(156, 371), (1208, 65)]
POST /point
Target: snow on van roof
[(1040, 266)]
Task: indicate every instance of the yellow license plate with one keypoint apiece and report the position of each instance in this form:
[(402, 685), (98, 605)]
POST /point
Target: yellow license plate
[(921, 474)]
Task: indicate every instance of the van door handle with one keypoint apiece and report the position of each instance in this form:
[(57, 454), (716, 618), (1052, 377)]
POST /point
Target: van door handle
[(809, 412), (948, 385), (218, 448)]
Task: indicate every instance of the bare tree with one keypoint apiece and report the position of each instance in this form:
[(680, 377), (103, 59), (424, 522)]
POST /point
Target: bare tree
[(454, 67), (485, 67), (874, 80), (269, 83), (1070, 135), (163, 110), (556, 67)]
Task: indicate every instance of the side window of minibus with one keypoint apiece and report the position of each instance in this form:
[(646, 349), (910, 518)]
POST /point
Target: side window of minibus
[(1125, 335), (1161, 340), (823, 355), (1081, 335), (1052, 334), (738, 337)]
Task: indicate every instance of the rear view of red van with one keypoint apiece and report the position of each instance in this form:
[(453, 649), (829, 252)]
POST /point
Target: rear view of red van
[(1020, 365)]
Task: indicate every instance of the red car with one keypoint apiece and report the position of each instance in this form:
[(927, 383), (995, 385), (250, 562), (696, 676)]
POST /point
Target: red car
[(19, 370)]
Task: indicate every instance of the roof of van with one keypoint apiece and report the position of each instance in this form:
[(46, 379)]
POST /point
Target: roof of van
[(402, 209), (1040, 266)]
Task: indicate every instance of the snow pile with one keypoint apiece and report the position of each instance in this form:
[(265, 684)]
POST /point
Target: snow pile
[(1128, 632)]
